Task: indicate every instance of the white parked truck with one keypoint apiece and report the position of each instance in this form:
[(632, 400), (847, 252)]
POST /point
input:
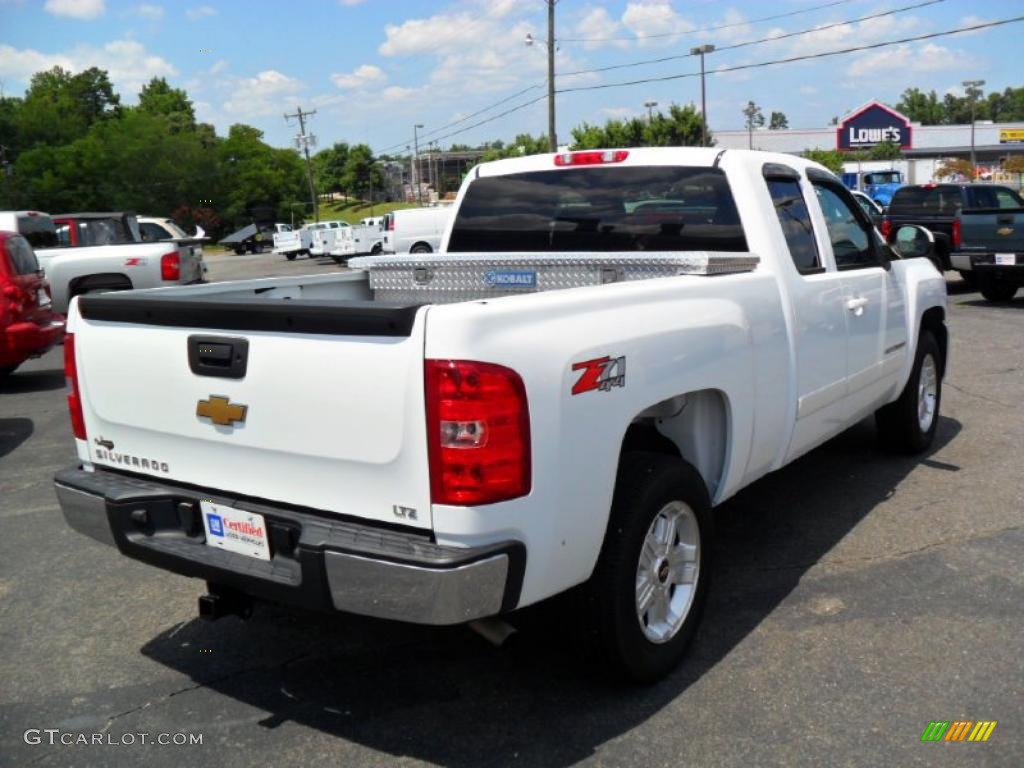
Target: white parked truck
[(357, 240), (81, 269), (416, 230), (296, 242), (611, 344), (323, 238)]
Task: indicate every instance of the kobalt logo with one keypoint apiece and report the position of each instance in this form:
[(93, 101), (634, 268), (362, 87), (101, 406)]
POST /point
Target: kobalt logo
[(600, 374), (511, 278)]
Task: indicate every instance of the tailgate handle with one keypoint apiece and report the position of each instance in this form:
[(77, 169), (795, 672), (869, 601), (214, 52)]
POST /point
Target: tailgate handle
[(220, 356)]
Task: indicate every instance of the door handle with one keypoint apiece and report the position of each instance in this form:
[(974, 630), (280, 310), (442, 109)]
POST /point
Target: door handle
[(857, 305)]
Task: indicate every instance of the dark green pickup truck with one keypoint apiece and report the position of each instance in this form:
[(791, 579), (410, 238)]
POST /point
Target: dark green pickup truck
[(978, 228)]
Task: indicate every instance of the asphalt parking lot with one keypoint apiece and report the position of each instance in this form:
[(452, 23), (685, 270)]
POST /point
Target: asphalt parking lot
[(856, 597)]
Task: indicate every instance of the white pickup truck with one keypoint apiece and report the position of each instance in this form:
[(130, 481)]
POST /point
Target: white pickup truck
[(611, 344), (80, 269)]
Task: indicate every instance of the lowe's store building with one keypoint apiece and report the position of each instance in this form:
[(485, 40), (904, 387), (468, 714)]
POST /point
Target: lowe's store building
[(924, 146)]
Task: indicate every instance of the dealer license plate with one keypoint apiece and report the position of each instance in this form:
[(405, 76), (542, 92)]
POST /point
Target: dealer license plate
[(235, 530), (1005, 259)]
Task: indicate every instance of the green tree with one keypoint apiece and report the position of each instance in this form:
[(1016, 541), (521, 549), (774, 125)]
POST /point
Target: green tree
[(921, 107), (778, 121), (60, 107), (159, 98), (886, 150), (362, 174), (754, 119), (256, 175), (329, 167), (524, 144), (830, 158), (679, 128)]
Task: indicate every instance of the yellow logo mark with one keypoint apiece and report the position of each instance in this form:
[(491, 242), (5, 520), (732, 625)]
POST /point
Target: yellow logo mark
[(221, 411), (1004, 231)]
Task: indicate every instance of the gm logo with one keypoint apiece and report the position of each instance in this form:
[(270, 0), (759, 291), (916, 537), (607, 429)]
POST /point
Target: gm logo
[(216, 524), (958, 730)]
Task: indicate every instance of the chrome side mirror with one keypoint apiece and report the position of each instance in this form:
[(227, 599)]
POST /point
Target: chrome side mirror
[(913, 242)]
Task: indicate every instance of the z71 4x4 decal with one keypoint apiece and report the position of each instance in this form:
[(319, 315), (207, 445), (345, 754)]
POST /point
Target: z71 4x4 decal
[(601, 374)]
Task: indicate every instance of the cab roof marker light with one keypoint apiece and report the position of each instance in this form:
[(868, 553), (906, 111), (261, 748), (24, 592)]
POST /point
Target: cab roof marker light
[(591, 157)]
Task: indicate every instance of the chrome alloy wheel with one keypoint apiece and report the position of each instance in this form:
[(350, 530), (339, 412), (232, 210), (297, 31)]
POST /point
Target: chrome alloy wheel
[(927, 392), (666, 576)]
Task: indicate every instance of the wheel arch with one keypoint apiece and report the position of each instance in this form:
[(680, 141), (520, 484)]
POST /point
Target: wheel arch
[(115, 281), (934, 320), (693, 426)]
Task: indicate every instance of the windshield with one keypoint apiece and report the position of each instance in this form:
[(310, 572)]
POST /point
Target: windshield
[(883, 177), (634, 208)]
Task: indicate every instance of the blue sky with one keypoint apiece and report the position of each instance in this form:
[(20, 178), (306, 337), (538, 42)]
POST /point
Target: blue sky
[(373, 68)]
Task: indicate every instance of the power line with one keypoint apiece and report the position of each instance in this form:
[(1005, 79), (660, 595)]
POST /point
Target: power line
[(705, 29), (452, 124), (805, 57), (746, 43)]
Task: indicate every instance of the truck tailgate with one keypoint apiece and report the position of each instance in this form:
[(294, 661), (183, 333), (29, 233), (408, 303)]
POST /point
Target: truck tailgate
[(992, 231), (332, 421)]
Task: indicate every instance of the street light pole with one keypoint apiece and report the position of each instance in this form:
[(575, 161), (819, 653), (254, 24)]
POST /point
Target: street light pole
[(700, 51), (416, 162), (973, 90), (650, 109)]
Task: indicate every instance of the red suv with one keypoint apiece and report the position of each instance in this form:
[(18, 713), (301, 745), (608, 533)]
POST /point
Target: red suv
[(28, 325)]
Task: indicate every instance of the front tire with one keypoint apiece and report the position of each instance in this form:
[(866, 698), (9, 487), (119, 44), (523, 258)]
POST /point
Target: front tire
[(644, 600), (909, 424)]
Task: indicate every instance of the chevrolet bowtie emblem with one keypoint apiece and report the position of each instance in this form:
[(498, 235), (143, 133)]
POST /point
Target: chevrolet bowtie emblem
[(1004, 231), (220, 410)]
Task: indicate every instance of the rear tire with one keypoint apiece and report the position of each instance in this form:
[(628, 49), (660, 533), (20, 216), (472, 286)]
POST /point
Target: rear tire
[(290, 256), (909, 424), (421, 248), (996, 290), (970, 278), (642, 605)]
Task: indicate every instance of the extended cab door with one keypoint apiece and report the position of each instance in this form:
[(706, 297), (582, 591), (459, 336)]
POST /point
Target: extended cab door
[(873, 301), (818, 324)]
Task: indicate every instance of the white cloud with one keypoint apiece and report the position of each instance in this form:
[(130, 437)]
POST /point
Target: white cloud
[(151, 12), (926, 57), (398, 93), (265, 94), (597, 24), (808, 90), (644, 19), (438, 34), (618, 113), (361, 77), (76, 9), (129, 64), (218, 66), (350, 2), (201, 12)]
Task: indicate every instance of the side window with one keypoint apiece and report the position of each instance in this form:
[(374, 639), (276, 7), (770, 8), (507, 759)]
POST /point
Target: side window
[(151, 232), (851, 244), (949, 200), (21, 257), (795, 220), (64, 234)]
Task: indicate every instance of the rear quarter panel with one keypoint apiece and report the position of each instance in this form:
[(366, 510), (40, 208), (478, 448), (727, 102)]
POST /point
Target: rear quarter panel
[(677, 335)]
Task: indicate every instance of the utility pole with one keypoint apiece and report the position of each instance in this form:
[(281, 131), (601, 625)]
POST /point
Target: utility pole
[(416, 162), (700, 51), (972, 89), (303, 142), (650, 110), (552, 138)]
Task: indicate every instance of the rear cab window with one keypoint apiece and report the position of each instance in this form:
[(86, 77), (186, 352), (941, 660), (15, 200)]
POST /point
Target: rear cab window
[(993, 197), (38, 230), (626, 208), (795, 220)]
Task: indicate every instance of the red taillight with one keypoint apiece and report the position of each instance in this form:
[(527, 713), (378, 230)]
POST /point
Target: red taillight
[(885, 228), (74, 396), (957, 234), (170, 266), (478, 432), (599, 157), (391, 224)]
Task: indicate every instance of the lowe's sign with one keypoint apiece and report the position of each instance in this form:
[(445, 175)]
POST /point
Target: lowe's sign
[(872, 124)]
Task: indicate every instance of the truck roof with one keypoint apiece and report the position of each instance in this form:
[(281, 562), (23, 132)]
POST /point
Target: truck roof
[(92, 215)]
